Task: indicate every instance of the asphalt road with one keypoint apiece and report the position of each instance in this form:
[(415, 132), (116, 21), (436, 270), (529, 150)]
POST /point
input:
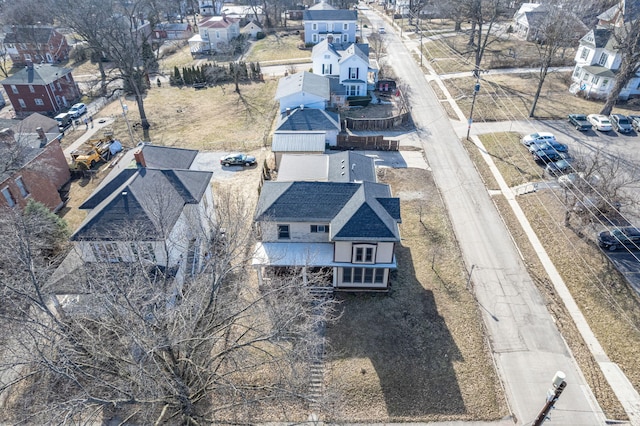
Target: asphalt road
[(527, 347)]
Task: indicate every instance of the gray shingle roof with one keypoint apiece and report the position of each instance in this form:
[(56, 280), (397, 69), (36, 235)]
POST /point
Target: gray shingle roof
[(348, 166), (30, 35), (352, 209), (38, 74), (149, 200), (303, 82), (164, 157), (308, 119), (354, 50), (330, 15)]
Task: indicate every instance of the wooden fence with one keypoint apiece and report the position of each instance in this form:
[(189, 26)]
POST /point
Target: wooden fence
[(375, 123), (373, 143)]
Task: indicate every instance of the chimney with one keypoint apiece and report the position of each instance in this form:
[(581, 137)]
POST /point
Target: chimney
[(288, 111), (224, 17), (330, 39), (139, 159), (41, 134), (301, 107), (29, 64), (7, 138)]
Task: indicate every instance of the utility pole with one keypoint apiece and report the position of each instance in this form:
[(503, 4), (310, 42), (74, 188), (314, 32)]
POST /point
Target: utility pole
[(476, 89), (559, 384)]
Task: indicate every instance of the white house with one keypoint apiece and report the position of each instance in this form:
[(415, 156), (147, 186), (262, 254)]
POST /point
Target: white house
[(215, 34), (302, 89), (350, 228), (339, 23), (598, 59), (251, 29), (151, 208)]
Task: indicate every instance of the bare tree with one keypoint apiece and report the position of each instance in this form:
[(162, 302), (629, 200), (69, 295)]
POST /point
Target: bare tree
[(118, 31), (136, 345), (555, 32), (483, 14), (626, 33)]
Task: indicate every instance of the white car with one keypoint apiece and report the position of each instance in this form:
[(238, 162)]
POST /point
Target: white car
[(538, 138), (381, 30), (77, 110), (600, 122)]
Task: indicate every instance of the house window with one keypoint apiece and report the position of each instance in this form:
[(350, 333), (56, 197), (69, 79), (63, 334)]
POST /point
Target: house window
[(327, 56), (314, 26), (8, 197), (22, 103), (605, 82), (106, 252), (217, 34), (576, 72), (330, 27), (320, 228), (363, 253), (27, 57), (326, 68), (21, 187), (603, 59), (283, 232), (585, 53), (352, 90), (595, 79), (14, 89), (143, 251), (362, 276), (68, 77), (39, 101), (345, 27), (59, 85), (345, 38), (353, 73), (31, 89), (314, 38)]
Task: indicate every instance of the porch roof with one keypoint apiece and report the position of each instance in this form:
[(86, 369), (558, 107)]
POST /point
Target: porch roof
[(304, 254)]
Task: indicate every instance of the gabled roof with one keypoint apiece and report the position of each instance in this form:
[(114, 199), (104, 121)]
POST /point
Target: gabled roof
[(355, 50), (597, 38), (151, 198), (217, 22), (29, 35), (356, 211), (340, 49), (303, 82), (623, 11), (350, 166), (301, 119), (330, 15), (33, 121), (40, 74)]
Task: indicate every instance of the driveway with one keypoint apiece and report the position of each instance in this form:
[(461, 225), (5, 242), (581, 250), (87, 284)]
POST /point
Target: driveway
[(210, 162)]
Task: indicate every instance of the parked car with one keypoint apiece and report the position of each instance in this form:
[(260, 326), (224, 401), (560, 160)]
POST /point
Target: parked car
[(64, 121), (620, 123), (381, 30), (546, 155), (537, 137), (551, 144), (580, 122), (599, 122), (628, 237), (635, 122), (78, 110), (579, 179), (560, 167), (238, 160)]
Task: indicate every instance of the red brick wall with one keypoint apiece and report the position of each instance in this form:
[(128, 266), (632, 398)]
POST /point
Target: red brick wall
[(42, 177)]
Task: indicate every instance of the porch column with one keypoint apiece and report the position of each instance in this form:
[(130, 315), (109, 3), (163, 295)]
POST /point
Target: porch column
[(259, 271), (305, 280)]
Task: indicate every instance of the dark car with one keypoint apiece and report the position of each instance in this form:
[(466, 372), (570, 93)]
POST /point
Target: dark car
[(635, 122), (238, 160), (580, 121), (559, 168), (620, 123), (551, 144), (546, 155), (628, 237)]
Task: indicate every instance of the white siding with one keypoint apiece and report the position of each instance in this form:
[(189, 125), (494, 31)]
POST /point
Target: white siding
[(384, 253), (342, 251), (302, 98), (299, 232)]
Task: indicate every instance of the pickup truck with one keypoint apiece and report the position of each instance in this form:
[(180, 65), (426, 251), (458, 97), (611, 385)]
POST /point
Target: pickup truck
[(580, 122)]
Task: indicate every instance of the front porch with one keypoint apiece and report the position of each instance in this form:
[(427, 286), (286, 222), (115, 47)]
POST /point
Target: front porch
[(345, 276)]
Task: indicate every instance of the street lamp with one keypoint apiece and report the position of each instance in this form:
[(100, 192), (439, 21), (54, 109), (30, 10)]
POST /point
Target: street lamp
[(558, 386)]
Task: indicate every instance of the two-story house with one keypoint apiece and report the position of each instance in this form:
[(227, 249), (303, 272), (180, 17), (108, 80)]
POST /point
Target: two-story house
[(42, 88), (350, 228), (32, 167), (35, 44), (339, 23), (215, 34), (349, 62), (598, 58), (153, 207)]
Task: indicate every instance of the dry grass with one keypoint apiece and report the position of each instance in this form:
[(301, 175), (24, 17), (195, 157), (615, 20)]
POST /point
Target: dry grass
[(610, 307), (417, 353), (209, 120), (275, 47)]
